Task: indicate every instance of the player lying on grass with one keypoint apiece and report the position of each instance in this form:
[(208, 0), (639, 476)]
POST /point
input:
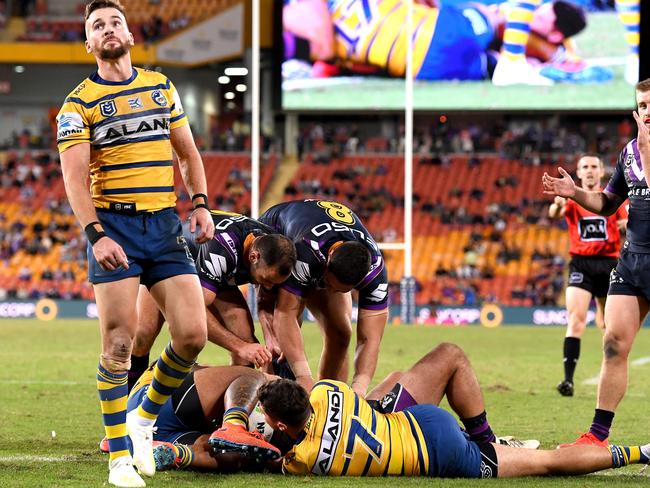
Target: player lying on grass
[(192, 414), (338, 433), (443, 371), (208, 395)]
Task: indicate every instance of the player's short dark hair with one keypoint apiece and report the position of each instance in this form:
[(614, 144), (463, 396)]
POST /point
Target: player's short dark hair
[(286, 401), (349, 262), (569, 18), (277, 251), (97, 4), (643, 85), (589, 155)]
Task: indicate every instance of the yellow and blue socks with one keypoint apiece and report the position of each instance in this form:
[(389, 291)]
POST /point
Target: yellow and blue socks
[(624, 455), (113, 393), (236, 416), (168, 374), (517, 31), (629, 14)]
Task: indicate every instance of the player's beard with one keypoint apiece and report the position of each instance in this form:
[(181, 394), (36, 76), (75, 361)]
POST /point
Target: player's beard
[(108, 54)]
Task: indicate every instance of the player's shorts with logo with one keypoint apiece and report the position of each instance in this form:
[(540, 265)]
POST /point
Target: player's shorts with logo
[(153, 243), (632, 274), (451, 453), (591, 273)]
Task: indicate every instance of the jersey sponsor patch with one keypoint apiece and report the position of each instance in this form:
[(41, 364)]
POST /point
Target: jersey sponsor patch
[(135, 103), (69, 124), (593, 228), (331, 433), (576, 278)]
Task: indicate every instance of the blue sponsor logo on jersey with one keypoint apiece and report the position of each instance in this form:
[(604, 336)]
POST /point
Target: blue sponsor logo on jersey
[(135, 103), (159, 98), (108, 108)]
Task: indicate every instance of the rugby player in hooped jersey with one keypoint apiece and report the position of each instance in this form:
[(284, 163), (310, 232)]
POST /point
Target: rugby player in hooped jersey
[(119, 128), (336, 254), (628, 299)]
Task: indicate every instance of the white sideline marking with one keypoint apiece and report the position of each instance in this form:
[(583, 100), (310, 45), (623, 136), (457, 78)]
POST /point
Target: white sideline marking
[(41, 382), (45, 459), (636, 362)]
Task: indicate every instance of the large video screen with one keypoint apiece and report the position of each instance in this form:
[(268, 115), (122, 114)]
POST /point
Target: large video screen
[(478, 55)]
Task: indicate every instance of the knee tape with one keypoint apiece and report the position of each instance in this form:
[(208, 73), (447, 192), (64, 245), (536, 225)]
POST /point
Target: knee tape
[(114, 364)]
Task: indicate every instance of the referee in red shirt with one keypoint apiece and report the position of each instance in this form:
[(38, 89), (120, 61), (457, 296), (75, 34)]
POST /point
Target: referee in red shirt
[(595, 245)]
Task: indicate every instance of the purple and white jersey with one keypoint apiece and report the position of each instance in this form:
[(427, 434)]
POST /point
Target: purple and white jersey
[(628, 181), (315, 226), (220, 262)]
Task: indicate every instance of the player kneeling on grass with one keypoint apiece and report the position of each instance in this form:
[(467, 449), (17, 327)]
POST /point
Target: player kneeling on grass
[(338, 433), (443, 371)]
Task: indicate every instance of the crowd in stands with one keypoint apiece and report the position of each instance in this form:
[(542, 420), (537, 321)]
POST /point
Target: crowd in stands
[(486, 211), (149, 20)]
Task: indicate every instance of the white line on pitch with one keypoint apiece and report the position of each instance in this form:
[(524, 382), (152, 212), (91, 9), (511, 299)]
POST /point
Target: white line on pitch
[(45, 459), (636, 362), (41, 382)]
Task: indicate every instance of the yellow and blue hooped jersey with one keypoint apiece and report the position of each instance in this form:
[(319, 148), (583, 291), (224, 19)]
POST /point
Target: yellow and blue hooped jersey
[(346, 436), (128, 126), (374, 32)]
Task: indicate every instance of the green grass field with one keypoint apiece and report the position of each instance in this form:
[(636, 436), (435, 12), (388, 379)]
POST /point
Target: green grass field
[(603, 38), (48, 385)]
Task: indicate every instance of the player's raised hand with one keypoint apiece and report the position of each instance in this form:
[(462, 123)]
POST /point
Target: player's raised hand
[(201, 217), (563, 186), (643, 133), (109, 254)]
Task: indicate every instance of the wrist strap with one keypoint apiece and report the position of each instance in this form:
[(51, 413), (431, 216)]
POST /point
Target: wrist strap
[(92, 233), (199, 203)]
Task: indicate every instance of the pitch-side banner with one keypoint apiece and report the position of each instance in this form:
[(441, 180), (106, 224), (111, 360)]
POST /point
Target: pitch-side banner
[(217, 38)]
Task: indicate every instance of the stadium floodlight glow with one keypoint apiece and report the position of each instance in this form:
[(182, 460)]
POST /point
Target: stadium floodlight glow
[(224, 80), (240, 88), (229, 95), (19, 68), (236, 71)]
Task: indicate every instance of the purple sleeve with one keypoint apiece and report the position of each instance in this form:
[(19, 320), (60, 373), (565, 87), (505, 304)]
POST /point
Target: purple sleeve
[(617, 184), (374, 294)]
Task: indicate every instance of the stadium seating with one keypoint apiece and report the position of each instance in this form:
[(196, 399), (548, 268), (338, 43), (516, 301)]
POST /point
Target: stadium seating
[(41, 243), (148, 20)]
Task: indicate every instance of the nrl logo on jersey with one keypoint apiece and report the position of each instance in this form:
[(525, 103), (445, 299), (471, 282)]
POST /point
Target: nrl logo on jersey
[(629, 159), (108, 108)]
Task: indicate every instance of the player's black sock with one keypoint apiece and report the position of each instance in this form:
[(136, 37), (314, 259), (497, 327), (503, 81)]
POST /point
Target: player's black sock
[(571, 355), (602, 423), (139, 365), (478, 428)]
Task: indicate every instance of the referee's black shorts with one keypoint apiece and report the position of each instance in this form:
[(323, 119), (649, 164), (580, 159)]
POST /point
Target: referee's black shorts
[(591, 273)]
